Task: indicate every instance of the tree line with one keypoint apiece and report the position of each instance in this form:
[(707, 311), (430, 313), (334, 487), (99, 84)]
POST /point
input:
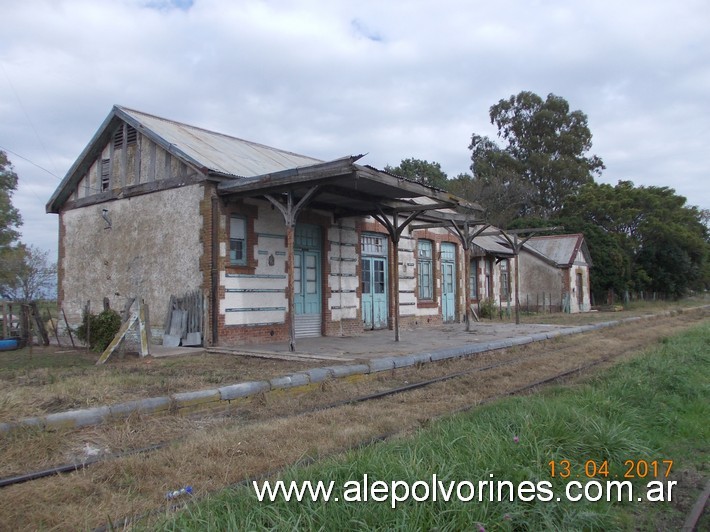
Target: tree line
[(26, 273), (539, 172)]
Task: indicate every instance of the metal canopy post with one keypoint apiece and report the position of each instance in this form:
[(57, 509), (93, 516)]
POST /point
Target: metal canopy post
[(395, 231), (290, 213), (517, 245)]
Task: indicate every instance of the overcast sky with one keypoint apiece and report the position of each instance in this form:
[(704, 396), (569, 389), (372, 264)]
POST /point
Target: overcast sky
[(327, 78)]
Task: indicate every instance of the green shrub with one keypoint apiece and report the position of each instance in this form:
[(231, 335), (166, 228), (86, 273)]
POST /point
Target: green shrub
[(489, 310), (101, 328)]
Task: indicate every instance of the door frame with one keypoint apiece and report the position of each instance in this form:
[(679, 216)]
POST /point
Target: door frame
[(448, 299), (309, 245), (374, 247)]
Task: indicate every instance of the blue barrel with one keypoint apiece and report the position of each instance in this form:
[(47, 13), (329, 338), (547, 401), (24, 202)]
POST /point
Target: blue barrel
[(9, 344)]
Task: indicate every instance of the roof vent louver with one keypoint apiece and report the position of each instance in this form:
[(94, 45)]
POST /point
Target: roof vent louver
[(131, 136)]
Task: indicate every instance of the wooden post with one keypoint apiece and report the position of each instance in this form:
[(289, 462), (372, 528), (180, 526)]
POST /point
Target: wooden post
[(143, 329), (4, 319), (290, 212), (395, 276), (517, 283), (290, 253), (55, 327), (467, 286), (146, 319), (87, 313), (117, 339), (71, 336), (41, 330)]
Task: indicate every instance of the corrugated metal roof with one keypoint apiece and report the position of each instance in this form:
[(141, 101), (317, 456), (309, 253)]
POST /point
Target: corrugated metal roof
[(218, 152), (493, 245), (560, 248)]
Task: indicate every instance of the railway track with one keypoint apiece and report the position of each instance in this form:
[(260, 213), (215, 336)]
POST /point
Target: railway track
[(469, 381), (83, 464)]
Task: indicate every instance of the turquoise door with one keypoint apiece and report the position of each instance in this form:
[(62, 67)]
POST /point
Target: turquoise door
[(307, 281), (448, 282), (373, 283)]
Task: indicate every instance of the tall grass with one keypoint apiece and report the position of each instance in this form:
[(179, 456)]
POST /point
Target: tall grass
[(654, 407)]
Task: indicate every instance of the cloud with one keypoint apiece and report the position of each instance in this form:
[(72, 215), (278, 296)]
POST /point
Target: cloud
[(393, 79)]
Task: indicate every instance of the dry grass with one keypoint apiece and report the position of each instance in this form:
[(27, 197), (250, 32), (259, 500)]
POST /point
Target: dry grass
[(55, 379), (265, 434), (52, 379)]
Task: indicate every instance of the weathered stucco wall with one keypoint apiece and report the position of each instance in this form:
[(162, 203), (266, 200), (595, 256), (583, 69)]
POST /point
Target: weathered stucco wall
[(582, 268), (151, 250), (539, 279)]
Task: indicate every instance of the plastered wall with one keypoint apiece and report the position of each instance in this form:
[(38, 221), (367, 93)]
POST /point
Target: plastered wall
[(145, 247)]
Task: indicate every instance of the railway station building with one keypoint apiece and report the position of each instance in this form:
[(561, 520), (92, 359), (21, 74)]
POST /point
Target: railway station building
[(266, 245)]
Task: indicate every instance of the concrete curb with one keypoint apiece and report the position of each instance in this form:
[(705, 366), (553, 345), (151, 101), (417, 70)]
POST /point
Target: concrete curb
[(188, 402)]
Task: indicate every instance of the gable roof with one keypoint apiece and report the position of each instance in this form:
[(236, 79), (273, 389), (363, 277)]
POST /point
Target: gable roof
[(215, 152), (561, 249), (208, 152), (245, 168)]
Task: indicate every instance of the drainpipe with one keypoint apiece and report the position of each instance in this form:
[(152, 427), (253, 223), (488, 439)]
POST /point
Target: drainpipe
[(214, 271)]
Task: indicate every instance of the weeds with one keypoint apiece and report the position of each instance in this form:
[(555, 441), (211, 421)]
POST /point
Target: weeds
[(615, 417)]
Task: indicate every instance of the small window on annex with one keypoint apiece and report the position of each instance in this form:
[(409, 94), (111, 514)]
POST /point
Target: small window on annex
[(424, 255), (237, 240), (504, 280), (473, 279)]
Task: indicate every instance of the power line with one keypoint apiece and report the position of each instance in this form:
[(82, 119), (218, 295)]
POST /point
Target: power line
[(27, 116), (31, 162)]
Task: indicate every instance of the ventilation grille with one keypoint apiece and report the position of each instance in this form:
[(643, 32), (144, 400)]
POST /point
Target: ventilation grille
[(131, 136)]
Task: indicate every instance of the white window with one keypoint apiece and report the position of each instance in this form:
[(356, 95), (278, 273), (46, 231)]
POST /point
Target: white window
[(237, 240), (424, 255), (473, 279), (504, 280)]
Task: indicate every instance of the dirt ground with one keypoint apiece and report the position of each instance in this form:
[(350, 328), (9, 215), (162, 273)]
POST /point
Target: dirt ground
[(266, 433)]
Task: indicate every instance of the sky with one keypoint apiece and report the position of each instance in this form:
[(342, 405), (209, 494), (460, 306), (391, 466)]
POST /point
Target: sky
[(392, 79)]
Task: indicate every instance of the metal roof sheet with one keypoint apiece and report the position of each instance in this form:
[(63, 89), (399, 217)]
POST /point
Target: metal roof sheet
[(560, 248), (218, 152), (493, 245)]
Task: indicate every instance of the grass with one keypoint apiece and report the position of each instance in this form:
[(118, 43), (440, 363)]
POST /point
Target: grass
[(632, 308), (51, 379), (653, 407)]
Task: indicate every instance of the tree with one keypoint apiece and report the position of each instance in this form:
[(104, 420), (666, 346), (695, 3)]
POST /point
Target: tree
[(503, 196), (421, 171), (640, 238), (544, 160), (10, 219), (29, 274)]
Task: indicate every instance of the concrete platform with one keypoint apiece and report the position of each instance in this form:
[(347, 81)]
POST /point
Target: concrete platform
[(376, 344), (159, 351)]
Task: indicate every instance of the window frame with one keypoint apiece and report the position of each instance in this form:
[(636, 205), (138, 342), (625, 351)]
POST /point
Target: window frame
[(244, 261), (425, 268), (505, 294), (473, 279), (105, 174)]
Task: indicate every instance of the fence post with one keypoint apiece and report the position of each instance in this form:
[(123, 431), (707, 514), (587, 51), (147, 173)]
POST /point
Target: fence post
[(87, 313)]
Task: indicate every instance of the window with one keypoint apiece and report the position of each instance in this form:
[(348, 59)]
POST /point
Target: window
[(105, 174), (237, 240), (473, 279), (374, 245), (488, 287), (504, 280), (424, 255)]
